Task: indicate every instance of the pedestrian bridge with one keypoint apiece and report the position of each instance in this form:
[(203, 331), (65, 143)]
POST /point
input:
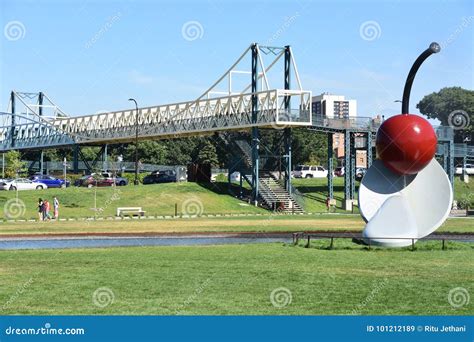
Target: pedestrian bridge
[(42, 124)]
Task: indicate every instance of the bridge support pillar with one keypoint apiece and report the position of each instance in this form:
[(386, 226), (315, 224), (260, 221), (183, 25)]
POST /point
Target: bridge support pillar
[(330, 166), (348, 174), (255, 135), (353, 153), (255, 165), (40, 103), (105, 165), (287, 137), (41, 166), (13, 120), (451, 161), (369, 150), (75, 159), (287, 131), (445, 157)]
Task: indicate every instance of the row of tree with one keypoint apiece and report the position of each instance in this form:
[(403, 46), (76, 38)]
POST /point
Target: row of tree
[(307, 147)]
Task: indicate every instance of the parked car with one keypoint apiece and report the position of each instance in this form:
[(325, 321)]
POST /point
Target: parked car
[(469, 169), (339, 171), (91, 181), (21, 184), (167, 176), (310, 171), (50, 181), (120, 181)]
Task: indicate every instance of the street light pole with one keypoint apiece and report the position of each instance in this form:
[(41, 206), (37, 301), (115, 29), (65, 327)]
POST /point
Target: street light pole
[(136, 141)]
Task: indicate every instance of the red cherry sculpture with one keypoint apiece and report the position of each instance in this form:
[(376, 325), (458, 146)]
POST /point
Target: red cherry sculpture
[(406, 143)]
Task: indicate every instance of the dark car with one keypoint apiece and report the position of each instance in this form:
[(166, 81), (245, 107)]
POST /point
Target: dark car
[(160, 177), (120, 181), (50, 181), (91, 181)]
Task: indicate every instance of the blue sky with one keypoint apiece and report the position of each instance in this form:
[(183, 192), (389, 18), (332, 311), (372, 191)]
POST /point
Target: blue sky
[(90, 56)]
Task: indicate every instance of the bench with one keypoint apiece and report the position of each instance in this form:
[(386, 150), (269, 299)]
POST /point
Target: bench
[(130, 211)]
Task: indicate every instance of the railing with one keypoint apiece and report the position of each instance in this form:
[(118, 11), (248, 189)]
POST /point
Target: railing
[(443, 237), (352, 123), (109, 165)]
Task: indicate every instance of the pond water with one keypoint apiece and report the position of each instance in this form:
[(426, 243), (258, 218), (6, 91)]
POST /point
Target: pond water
[(52, 243)]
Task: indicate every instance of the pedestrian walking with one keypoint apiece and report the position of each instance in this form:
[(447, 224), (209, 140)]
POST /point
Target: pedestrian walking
[(40, 209), (47, 208), (56, 207)]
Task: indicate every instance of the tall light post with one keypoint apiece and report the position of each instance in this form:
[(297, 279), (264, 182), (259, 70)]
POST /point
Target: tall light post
[(136, 141)]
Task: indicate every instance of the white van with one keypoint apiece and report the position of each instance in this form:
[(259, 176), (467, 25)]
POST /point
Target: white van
[(310, 171)]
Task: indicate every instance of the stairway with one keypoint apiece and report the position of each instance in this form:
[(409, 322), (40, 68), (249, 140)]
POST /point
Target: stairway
[(272, 193), (276, 197)]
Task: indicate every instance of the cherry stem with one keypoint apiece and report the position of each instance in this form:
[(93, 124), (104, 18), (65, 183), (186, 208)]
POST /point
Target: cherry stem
[(434, 48)]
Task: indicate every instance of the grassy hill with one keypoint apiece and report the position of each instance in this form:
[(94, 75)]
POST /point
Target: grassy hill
[(157, 199)]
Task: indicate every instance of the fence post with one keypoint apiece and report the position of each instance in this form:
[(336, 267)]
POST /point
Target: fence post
[(307, 244), (176, 209), (332, 243), (443, 246), (412, 244)]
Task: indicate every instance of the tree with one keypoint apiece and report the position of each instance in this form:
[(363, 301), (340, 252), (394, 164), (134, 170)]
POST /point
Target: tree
[(149, 152), (13, 164), (309, 147), (207, 154), (452, 106)]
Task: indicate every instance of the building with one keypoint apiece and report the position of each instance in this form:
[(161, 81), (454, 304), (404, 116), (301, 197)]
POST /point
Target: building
[(337, 107), (333, 106)]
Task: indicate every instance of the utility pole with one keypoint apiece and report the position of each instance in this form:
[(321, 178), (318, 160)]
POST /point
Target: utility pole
[(136, 141)]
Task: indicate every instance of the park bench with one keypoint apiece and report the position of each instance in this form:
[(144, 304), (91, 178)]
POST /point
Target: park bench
[(130, 211)]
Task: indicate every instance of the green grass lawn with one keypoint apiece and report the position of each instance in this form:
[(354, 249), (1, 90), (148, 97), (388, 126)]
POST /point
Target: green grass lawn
[(267, 223), (236, 279)]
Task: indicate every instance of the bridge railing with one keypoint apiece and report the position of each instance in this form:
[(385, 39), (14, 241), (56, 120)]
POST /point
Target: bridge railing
[(352, 123), (194, 117)]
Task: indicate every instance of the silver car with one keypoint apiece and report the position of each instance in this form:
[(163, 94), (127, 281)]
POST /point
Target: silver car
[(21, 184)]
